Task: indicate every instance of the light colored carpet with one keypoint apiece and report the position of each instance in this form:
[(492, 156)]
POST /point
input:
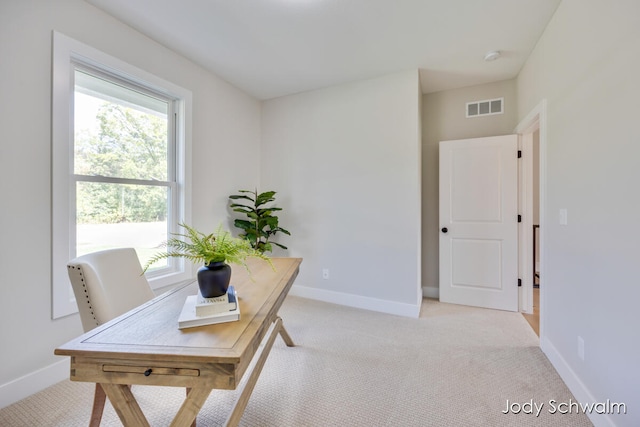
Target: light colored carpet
[(454, 366)]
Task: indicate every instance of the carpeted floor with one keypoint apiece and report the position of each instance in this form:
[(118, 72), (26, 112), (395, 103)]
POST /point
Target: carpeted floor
[(454, 366)]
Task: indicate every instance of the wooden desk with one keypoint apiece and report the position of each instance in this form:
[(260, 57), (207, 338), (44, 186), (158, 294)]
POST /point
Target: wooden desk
[(145, 346)]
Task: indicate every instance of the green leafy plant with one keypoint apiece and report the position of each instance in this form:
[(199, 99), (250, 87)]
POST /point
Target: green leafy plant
[(198, 247), (261, 224)]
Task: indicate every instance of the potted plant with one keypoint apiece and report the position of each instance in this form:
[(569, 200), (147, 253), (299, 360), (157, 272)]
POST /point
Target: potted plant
[(260, 224), (215, 251)]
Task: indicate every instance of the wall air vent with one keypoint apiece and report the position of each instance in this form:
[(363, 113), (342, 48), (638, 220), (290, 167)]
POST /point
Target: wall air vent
[(488, 107)]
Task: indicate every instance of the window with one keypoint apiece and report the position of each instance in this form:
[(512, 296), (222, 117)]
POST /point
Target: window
[(119, 163)]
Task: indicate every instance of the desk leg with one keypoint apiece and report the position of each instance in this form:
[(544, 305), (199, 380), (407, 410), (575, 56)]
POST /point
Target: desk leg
[(236, 414), (125, 405), (188, 412), (99, 399), (285, 335), (193, 424)]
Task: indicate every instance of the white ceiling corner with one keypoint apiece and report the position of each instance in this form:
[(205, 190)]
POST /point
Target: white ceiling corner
[(272, 48)]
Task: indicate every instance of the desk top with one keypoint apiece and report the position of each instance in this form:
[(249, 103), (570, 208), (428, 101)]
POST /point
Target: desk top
[(150, 332)]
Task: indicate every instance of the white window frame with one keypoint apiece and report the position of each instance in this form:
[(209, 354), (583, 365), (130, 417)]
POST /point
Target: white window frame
[(68, 52)]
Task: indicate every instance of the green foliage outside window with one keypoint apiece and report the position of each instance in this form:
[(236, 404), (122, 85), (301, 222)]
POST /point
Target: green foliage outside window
[(128, 144)]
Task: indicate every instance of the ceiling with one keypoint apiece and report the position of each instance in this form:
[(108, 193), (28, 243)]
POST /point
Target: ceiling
[(272, 48)]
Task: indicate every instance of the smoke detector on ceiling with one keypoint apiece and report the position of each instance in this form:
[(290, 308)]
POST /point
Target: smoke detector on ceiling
[(492, 55)]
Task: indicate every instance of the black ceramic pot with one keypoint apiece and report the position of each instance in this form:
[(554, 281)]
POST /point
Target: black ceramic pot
[(214, 279)]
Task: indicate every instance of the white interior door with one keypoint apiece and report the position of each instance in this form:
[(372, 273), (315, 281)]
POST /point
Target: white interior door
[(479, 222)]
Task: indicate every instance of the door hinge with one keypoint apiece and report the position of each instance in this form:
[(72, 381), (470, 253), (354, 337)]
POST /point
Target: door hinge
[(519, 218), (519, 153), (519, 282)]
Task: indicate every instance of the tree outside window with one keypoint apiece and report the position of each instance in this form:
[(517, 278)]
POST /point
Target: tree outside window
[(121, 166)]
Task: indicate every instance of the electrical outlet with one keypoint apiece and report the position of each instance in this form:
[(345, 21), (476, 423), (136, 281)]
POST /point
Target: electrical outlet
[(580, 348), (325, 273)]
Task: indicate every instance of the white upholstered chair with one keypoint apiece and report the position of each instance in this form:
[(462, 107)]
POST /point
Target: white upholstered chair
[(106, 284)]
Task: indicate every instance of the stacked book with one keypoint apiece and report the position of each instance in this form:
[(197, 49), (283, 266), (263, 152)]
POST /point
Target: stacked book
[(199, 311)]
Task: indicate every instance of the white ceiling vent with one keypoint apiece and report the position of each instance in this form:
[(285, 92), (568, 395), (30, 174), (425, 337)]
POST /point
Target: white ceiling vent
[(488, 107)]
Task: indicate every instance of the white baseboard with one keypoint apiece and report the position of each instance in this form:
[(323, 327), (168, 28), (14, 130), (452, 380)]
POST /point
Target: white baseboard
[(576, 386), (357, 301), (33, 382), (431, 292)]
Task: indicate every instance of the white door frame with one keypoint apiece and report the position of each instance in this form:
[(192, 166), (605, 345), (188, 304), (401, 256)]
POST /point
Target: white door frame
[(525, 209), (535, 120)]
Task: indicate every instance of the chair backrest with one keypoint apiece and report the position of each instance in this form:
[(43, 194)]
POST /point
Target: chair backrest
[(107, 284)]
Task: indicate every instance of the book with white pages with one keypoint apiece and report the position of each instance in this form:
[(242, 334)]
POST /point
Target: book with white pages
[(224, 303), (189, 319)]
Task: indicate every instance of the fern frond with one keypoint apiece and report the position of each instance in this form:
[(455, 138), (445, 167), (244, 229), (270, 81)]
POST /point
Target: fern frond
[(198, 247)]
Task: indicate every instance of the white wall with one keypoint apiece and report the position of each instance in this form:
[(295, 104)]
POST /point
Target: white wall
[(225, 144), (586, 65), (345, 162), (443, 119)]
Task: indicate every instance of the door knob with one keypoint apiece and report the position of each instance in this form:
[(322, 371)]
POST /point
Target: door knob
[(445, 229)]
